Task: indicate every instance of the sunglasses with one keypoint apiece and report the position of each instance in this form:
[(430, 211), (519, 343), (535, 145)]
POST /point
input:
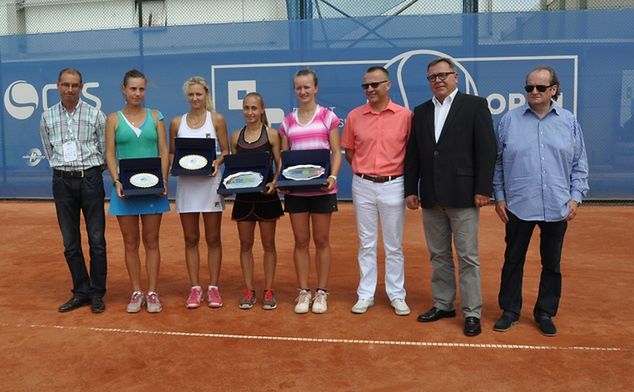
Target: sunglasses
[(373, 85), (540, 87), (440, 75)]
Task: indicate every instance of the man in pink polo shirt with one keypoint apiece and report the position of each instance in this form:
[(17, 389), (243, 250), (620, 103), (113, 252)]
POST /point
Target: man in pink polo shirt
[(375, 138)]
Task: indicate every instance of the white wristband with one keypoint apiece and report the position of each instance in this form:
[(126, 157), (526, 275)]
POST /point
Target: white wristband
[(333, 177)]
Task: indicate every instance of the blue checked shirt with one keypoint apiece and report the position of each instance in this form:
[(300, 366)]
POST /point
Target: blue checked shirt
[(85, 125), (541, 163)]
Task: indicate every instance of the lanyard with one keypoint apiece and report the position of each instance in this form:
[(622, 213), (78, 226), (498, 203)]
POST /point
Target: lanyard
[(71, 118)]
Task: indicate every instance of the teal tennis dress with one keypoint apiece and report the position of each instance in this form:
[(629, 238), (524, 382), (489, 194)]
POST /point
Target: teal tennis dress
[(133, 142)]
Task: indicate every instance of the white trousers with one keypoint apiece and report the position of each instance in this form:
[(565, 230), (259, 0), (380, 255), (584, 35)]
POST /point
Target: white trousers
[(384, 203)]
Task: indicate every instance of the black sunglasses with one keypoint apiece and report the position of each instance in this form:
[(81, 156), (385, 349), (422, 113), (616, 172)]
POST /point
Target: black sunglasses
[(540, 87), (373, 85)]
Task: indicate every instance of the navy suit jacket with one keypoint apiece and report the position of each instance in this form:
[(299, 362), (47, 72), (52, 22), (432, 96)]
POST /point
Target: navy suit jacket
[(449, 173)]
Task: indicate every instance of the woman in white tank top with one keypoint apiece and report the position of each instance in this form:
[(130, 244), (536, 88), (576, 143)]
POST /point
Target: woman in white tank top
[(196, 195)]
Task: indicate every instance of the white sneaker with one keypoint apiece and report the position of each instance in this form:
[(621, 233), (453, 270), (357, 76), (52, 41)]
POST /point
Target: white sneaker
[(153, 303), (136, 302), (303, 302), (362, 305), (400, 307), (320, 302)]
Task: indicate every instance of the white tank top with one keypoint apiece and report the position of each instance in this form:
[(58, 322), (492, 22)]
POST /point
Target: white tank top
[(207, 130)]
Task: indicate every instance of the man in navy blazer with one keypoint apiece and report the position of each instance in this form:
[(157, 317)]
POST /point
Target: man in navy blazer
[(449, 172)]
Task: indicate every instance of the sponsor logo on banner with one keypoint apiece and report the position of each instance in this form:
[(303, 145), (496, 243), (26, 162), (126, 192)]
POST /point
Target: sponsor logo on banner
[(477, 76), (21, 98), (33, 157)]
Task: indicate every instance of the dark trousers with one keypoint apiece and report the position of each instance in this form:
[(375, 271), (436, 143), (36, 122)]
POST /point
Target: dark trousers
[(74, 196), (518, 236)]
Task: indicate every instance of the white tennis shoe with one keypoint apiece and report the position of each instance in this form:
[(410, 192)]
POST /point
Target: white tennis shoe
[(362, 305), (400, 307)]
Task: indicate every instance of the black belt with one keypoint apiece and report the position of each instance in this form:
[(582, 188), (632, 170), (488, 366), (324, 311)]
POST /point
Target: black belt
[(379, 179), (77, 173)]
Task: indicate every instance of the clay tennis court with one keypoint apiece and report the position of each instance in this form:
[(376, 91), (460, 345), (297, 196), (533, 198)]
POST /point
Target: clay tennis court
[(229, 349)]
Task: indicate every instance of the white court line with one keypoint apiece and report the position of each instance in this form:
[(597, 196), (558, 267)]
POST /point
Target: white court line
[(320, 340)]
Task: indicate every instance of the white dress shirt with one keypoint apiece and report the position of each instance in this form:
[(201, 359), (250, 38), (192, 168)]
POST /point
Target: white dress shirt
[(441, 110)]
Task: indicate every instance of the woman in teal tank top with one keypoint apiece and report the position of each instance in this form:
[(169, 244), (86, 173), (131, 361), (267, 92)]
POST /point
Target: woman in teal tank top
[(138, 132)]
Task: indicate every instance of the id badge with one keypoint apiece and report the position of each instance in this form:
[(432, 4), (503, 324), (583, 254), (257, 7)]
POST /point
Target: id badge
[(70, 151)]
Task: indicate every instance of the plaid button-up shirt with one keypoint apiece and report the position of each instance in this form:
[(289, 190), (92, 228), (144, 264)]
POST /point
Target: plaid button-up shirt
[(85, 125)]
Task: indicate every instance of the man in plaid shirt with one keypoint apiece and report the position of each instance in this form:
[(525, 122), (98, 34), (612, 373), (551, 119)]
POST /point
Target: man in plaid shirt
[(73, 136)]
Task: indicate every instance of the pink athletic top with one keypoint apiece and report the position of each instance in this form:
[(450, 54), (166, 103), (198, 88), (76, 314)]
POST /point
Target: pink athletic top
[(313, 135)]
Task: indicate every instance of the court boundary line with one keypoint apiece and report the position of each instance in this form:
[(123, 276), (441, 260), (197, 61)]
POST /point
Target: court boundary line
[(321, 340)]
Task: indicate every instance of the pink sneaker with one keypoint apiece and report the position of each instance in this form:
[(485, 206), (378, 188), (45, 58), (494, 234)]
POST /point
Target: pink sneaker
[(195, 297), (213, 297)]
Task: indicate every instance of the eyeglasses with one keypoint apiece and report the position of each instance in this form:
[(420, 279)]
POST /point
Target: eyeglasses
[(74, 86), (373, 85), (439, 75), (540, 87)]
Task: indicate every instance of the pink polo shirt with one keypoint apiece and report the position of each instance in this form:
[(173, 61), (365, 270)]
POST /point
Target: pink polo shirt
[(379, 139), (313, 135)]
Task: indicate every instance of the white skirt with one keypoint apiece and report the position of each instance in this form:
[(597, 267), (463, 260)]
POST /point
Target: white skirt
[(199, 194)]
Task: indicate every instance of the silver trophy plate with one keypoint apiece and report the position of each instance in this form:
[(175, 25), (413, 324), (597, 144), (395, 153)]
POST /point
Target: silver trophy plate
[(192, 162), (246, 179), (144, 180), (303, 172)]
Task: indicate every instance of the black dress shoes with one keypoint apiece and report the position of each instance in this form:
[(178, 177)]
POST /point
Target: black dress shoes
[(97, 305), (435, 314), (472, 326), (506, 321), (73, 304), (546, 326)]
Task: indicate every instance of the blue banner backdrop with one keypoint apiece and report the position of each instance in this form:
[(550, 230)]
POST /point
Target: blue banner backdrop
[(591, 51)]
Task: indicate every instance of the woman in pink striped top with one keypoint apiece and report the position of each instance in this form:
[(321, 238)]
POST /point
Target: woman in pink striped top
[(312, 127)]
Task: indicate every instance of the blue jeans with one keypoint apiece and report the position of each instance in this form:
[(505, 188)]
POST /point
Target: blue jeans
[(74, 196), (518, 237)]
